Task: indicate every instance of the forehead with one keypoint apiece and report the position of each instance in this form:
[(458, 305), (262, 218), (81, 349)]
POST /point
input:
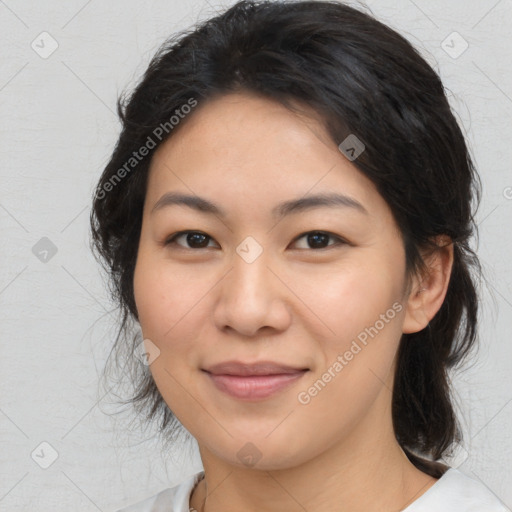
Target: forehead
[(245, 145), (248, 119)]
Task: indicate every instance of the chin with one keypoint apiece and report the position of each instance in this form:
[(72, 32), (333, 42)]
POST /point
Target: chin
[(263, 453)]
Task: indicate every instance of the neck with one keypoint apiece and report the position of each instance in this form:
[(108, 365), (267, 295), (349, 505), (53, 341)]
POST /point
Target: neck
[(365, 472)]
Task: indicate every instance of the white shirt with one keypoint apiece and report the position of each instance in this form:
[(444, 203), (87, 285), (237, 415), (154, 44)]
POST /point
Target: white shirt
[(453, 492)]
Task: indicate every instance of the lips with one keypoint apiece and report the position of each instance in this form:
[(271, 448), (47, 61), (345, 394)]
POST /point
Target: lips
[(253, 369), (253, 381)]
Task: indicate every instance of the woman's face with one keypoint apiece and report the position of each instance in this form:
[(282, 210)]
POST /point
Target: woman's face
[(255, 286)]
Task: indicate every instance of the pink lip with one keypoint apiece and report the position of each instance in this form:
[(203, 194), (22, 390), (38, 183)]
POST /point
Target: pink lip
[(254, 387), (240, 368)]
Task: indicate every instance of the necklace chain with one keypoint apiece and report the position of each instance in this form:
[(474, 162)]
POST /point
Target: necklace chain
[(204, 501)]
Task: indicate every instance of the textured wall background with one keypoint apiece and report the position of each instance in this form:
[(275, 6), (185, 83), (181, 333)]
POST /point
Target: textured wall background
[(62, 67)]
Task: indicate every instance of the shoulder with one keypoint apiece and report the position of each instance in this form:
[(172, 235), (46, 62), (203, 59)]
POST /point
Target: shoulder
[(457, 492), (172, 499)]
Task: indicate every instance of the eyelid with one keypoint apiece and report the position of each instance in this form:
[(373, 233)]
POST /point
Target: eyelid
[(171, 239), (339, 241)]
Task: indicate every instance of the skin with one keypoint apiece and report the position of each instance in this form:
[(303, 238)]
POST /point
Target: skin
[(201, 303)]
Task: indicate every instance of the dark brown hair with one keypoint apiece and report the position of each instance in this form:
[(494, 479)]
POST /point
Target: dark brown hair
[(362, 78)]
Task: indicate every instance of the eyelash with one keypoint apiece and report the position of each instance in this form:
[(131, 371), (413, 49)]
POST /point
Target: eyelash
[(339, 241)]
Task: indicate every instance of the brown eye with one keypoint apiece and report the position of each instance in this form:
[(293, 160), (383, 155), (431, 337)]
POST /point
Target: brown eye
[(195, 239), (319, 239)]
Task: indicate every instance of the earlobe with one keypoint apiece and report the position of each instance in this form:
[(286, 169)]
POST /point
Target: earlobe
[(427, 295)]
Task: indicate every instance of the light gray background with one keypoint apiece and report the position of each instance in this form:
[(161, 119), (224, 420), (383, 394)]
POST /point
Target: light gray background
[(58, 129)]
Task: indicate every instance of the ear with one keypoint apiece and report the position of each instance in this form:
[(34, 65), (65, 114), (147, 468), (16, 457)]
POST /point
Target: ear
[(427, 294)]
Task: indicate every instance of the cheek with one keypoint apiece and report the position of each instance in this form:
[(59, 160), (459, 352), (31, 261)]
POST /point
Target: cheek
[(364, 316), (166, 297), (356, 371), (168, 303), (352, 298)]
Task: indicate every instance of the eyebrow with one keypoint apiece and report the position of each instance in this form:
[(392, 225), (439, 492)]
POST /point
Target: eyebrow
[(284, 209)]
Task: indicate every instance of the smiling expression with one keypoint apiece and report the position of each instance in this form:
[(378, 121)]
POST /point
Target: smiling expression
[(261, 241)]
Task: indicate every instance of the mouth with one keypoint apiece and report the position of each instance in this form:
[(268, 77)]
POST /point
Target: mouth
[(253, 381)]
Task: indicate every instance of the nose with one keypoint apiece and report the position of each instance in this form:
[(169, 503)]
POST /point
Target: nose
[(252, 297)]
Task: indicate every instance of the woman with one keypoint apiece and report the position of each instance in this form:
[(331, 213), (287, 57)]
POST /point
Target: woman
[(287, 215)]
